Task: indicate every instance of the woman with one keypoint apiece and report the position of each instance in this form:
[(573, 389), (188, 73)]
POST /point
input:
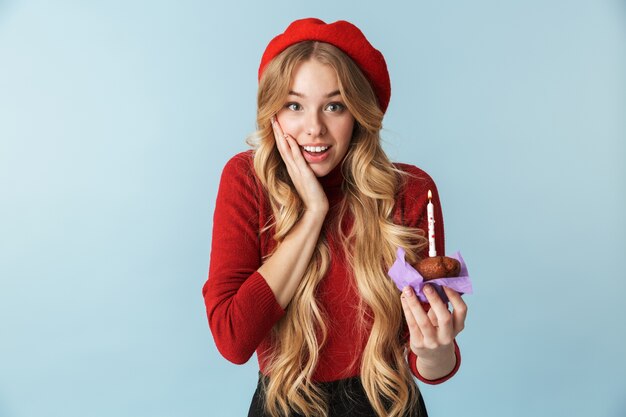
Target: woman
[(306, 226)]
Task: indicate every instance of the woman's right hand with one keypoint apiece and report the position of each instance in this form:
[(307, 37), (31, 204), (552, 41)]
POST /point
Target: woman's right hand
[(307, 185)]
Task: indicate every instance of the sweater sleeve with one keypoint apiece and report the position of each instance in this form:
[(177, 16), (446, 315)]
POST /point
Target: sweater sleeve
[(415, 215), (240, 306)]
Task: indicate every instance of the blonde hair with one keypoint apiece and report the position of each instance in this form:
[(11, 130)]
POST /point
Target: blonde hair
[(370, 185)]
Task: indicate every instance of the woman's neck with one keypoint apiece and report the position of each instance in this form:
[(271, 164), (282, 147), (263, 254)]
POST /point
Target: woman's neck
[(332, 180)]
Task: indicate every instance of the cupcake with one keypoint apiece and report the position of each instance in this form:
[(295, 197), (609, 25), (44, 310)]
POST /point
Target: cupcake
[(438, 267)]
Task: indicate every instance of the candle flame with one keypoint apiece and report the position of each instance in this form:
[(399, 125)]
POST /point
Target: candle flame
[(430, 195)]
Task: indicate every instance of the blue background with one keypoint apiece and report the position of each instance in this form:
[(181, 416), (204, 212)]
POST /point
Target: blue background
[(117, 117)]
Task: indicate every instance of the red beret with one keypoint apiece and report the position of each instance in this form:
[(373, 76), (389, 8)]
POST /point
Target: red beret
[(345, 36)]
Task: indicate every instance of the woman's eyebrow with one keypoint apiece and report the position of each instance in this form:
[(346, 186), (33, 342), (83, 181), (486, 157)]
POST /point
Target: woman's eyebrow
[(329, 95)]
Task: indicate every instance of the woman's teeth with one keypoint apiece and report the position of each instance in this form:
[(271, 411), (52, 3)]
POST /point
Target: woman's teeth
[(316, 149)]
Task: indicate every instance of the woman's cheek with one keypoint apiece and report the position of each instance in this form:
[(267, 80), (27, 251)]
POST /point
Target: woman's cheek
[(288, 124), (348, 130)]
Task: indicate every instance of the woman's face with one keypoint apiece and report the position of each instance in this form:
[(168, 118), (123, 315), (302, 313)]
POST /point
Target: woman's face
[(316, 116)]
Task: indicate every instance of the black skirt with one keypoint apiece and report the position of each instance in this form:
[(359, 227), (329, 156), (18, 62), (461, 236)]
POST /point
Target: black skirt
[(347, 398)]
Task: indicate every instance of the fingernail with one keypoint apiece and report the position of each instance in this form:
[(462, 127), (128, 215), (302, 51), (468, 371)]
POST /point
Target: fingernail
[(272, 120), (428, 289), (407, 292)]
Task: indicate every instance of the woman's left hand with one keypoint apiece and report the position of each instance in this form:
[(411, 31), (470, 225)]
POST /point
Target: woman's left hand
[(432, 333)]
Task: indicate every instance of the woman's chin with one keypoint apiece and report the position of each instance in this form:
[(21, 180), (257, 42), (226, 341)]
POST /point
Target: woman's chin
[(320, 170)]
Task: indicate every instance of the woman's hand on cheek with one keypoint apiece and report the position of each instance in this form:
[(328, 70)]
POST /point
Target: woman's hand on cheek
[(302, 176), (432, 334)]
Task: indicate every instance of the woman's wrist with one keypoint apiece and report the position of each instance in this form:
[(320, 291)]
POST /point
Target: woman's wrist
[(436, 363), (315, 214)]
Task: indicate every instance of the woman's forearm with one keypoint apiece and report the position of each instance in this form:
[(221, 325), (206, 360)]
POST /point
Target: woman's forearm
[(283, 271)]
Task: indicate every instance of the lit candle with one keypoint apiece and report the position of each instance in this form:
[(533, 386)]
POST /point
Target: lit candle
[(431, 226)]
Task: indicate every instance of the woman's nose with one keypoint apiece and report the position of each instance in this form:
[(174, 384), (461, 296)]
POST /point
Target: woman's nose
[(315, 125)]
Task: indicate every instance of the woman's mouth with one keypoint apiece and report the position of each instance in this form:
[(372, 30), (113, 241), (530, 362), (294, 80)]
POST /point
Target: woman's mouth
[(314, 154), (315, 150)]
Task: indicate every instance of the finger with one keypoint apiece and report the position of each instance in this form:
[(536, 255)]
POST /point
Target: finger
[(291, 145), (410, 318), (296, 155), (415, 335), (433, 317), (278, 136), (445, 330), (277, 132), (459, 309), (425, 326), (282, 145)]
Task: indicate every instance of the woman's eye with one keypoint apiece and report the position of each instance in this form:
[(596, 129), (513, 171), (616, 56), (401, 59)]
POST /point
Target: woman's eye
[(293, 106), (335, 107)]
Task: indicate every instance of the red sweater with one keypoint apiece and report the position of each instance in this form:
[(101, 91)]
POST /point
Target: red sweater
[(241, 307)]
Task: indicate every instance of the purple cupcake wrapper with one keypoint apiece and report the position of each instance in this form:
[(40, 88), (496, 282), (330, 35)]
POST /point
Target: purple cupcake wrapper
[(403, 274)]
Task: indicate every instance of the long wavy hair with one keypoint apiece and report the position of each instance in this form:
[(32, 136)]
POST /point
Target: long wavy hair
[(371, 183)]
